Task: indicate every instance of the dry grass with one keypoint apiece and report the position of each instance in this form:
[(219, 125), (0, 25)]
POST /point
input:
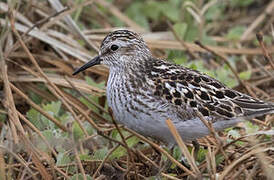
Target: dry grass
[(40, 47)]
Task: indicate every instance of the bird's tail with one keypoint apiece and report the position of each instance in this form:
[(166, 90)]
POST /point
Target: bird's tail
[(252, 107)]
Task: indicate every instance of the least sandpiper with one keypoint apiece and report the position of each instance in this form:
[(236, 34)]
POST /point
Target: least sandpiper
[(144, 91)]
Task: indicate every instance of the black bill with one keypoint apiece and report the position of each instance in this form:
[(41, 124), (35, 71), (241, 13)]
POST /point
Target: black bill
[(91, 63)]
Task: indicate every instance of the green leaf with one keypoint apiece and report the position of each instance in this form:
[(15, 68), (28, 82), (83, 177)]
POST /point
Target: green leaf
[(119, 152), (3, 117), (196, 65), (235, 33), (219, 158), (90, 130), (46, 123), (62, 158), (35, 98), (53, 108), (180, 61), (116, 21), (90, 82), (153, 177), (48, 134), (64, 118), (77, 131), (225, 76), (214, 12), (85, 157), (95, 99), (245, 75), (134, 11), (132, 141), (40, 144), (201, 154), (250, 127), (208, 40), (170, 11), (192, 33), (79, 176), (100, 154), (177, 153), (115, 135), (237, 3), (35, 118), (180, 29), (152, 10), (175, 54), (193, 66)]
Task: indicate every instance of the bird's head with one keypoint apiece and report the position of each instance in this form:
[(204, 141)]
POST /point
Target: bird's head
[(118, 50)]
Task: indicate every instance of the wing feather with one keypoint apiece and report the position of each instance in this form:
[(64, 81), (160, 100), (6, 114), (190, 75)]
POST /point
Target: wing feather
[(188, 88)]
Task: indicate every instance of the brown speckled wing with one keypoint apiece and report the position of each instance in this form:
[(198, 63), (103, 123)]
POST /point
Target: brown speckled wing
[(187, 87)]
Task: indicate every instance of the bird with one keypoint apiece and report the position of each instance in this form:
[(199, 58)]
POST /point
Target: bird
[(144, 91)]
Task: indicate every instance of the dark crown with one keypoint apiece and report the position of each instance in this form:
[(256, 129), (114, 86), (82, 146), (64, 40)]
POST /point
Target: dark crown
[(123, 35)]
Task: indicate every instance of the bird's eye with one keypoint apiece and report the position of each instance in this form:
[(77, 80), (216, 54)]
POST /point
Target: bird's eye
[(114, 47)]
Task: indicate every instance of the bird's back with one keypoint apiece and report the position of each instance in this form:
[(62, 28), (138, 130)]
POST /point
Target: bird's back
[(182, 86)]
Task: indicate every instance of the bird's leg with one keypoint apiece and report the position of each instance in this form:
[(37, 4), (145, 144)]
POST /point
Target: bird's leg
[(165, 164), (196, 146)]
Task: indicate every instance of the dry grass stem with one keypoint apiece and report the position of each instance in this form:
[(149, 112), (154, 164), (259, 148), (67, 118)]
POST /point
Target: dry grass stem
[(183, 148), (56, 126)]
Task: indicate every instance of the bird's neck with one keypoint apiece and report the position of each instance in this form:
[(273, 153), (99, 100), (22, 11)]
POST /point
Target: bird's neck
[(132, 73), (130, 66)]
